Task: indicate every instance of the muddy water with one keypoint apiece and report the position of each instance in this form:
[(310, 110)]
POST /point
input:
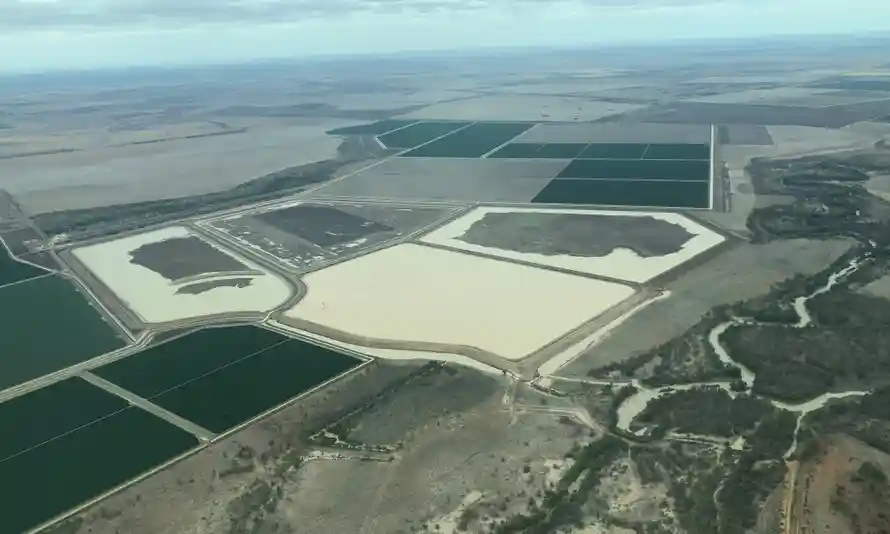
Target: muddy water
[(635, 404)]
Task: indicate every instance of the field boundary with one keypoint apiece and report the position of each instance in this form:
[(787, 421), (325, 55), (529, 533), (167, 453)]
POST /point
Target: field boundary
[(199, 448)]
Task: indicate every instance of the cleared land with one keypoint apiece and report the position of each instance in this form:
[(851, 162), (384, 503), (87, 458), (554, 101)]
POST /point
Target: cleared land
[(222, 377), (706, 113), (418, 134), (453, 299), (152, 297), (48, 326), (522, 108), (745, 134), (787, 96), (632, 246), (81, 443), (306, 235), (108, 175), (374, 128), (465, 180), (471, 142), (640, 193)]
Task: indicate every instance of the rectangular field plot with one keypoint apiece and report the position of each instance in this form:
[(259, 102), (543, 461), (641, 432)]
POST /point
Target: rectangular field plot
[(471, 142), (539, 151), (635, 133), (418, 134), (626, 193), (375, 128), (614, 151), (678, 151), (457, 179), (49, 326), (58, 474), (54, 411), (517, 151), (221, 377), (165, 366), (630, 169)]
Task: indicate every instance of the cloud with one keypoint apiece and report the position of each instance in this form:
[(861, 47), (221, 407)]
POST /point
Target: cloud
[(43, 14)]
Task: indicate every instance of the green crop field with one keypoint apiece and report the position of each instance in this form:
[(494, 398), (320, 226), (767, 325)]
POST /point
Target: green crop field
[(49, 326), (221, 377), (626, 193), (472, 142)]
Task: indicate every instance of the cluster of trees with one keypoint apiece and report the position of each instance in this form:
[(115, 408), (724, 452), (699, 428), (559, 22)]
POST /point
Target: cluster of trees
[(707, 411), (849, 349), (560, 506), (744, 480)]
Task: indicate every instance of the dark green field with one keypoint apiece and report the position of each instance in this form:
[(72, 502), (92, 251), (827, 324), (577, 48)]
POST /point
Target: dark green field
[(418, 134), (12, 271), (517, 151), (375, 128), (53, 411), (678, 151), (614, 151), (471, 142), (636, 169), (166, 366), (561, 150), (47, 326), (626, 193), (219, 378), (48, 479), (539, 151)]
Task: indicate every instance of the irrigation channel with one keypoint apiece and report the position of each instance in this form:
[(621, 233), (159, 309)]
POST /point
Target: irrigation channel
[(636, 403)]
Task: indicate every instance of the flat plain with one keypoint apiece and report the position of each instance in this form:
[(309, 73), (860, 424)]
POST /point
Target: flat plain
[(401, 444), (459, 180)]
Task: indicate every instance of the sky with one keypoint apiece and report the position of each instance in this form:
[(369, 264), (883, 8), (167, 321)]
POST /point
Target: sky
[(84, 34)]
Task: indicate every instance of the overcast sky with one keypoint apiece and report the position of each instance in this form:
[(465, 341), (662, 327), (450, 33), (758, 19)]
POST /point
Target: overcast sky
[(51, 34)]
